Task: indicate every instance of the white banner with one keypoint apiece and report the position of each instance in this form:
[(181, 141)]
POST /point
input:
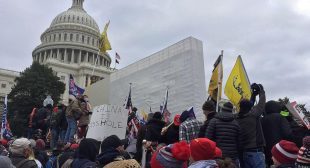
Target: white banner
[(298, 113), (107, 120)]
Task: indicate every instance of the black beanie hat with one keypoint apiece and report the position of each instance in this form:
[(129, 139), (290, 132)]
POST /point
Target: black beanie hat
[(111, 141), (272, 107), (245, 105), (157, 116)]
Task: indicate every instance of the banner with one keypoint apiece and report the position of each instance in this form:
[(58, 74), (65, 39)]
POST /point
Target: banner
[(298, 113), (107, 120), (73, 88)]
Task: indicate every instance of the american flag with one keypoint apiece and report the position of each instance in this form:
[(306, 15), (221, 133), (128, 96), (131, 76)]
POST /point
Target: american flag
[(117, 58), (5, 128), (164, 110), (133, 122)]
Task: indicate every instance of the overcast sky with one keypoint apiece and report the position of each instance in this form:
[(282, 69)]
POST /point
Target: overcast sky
[(273, 36)]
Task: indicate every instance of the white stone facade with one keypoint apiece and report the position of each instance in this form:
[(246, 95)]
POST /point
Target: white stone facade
[(179, 67)]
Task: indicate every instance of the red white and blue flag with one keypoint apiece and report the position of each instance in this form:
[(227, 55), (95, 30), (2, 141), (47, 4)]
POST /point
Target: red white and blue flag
[(73, 88), (163, 108), (133, 122), (5, 127)]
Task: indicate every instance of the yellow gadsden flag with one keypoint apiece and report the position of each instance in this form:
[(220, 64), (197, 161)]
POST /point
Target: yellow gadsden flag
[(215, 86), (104, 43), (238, 84)]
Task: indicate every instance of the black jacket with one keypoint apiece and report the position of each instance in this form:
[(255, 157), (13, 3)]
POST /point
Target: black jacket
[(153, 131), (41, 156), (140, 138), (275, 128), (252, 136), (225, 131), (172, 135), (204, 127), (22, 162)]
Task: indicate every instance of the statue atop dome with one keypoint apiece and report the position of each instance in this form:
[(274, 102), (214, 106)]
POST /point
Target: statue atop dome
[(77, 4)]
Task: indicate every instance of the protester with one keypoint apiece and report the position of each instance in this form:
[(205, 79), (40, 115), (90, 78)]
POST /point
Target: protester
[(63, 124), (5, 162), (84, 120), (140, 138), (225, 131), (208, 109), (153, 129), (171, 133), (32, 124), (86, 155), (73, 113), (111, 150), (275, 127), (53, 161), (284, 154), (40, 153), (20, 151), (303, 158), (202, 153), (189, 127), (54, 126), (42, 117), (299, 130), (131, 163), (252, 137), (66, 158), (173, 156)]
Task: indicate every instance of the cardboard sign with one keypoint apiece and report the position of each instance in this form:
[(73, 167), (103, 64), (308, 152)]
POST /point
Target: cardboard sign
[(107, 120), (298, 113)]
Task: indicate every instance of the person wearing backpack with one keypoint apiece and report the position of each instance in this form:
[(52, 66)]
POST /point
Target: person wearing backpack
[(20, 151)]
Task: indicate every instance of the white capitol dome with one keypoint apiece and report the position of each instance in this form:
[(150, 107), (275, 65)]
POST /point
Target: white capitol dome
[(70, 46)]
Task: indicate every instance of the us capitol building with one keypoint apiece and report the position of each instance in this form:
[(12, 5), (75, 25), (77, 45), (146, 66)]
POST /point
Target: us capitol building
[(70, 46)]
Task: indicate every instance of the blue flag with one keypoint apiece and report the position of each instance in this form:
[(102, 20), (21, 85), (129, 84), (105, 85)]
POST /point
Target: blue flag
[(5, 129), (74, 89)]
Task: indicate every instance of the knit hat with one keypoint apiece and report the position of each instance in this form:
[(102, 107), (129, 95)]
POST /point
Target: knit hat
[(40, 144), (32, 143), (111, 141), (202, 149), (227, 107), (172, 156), (208, 106), (131, 163), (19, 145), (3, 142), (218, 153), (74, 146), (5, 162), (304, 153), (285, 152), (176, 120), (272, 107)]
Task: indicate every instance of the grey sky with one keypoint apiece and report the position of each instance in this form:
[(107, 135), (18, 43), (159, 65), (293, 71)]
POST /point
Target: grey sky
[(271, 35)]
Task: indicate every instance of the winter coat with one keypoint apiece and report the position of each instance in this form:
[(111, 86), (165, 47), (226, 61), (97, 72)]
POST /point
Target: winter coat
[(41, 118), (140, 138), (225, 131), (204, 164), (65, 156), (108, 156), (74, 107), (41, 156), (203, 128), (83, 163), (275, 128), (252, 135), (153, 130), (22, 162), (84, 120), (172, 135), (63, 124)]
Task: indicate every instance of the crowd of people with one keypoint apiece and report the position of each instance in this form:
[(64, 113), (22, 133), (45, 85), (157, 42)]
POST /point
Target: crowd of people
[(258, 136)]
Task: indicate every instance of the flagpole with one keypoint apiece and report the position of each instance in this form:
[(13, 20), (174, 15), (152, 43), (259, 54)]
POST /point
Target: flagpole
[(92, 74), (219, 88)]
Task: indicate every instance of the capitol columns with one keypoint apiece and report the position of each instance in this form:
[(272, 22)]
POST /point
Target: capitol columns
[(66, 56), (45, 56), (87, 57), (72, 57), (80, 57), (57, 56)]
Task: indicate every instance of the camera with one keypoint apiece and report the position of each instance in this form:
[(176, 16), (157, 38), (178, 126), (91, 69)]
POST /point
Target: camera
[(255, 88)]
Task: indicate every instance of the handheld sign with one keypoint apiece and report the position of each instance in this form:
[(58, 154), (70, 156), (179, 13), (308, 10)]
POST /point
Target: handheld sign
[(298, 113), (107, 120)]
